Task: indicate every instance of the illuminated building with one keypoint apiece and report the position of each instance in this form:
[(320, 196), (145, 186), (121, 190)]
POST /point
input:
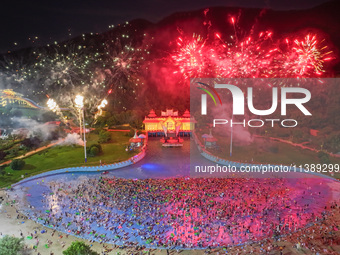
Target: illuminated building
[(170, 123), (10, 98)]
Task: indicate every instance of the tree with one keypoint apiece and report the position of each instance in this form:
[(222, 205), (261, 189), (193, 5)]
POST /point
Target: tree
[(18, 164), (2, 171), (111, 121), (3, 154), (94, 150), (13, 152), (104, 136), (136, 124), (32, 142), (79, 248), (10, 245)]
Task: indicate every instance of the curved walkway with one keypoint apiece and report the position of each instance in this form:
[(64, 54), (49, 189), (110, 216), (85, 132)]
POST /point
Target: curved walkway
[(130, 161)]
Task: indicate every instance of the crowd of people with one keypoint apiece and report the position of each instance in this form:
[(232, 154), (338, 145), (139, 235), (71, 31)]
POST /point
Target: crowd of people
[(182, 212)]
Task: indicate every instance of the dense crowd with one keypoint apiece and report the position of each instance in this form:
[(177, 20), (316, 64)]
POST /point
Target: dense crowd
[(182, 212)]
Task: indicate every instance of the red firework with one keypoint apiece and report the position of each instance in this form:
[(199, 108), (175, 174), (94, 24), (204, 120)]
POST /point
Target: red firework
[(251, 56), (190, 57)]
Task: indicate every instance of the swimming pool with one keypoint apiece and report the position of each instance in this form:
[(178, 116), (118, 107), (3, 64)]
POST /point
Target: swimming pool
[(159, 163)]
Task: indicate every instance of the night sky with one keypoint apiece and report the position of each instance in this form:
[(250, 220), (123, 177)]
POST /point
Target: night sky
[(22, 21)]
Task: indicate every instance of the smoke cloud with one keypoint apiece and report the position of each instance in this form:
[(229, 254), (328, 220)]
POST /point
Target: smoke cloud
[(33, 128), (240, 134), (71, 139)]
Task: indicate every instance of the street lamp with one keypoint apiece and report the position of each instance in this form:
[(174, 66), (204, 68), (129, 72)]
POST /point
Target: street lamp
[(79, 101)]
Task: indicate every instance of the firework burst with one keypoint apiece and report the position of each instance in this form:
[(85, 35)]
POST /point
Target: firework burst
[(251, 56), (191, 56), (246, 58), (305, 58)]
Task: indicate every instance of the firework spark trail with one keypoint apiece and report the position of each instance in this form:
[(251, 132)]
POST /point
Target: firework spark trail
[(100, 107), (66, 67), (121, 61), (124, 63), (120, 66), (191, 56), (72, 68), (18, 72), (54, 107), (306, 58), (251, 58)]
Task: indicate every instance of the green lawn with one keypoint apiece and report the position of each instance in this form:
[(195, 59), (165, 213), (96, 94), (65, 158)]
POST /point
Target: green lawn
[(70, 156)]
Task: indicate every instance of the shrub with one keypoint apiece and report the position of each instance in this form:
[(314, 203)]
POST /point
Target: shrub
[(10, 245), (97, 131), (97, 146), (94, 150), (18, 164), (79, 248), (104, 136), (13, 152), (32, 142)]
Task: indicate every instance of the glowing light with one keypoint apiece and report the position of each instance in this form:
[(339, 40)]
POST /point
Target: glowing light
[(251, 57), (102, 104), (191, 56), (52, 105), (79, 101)]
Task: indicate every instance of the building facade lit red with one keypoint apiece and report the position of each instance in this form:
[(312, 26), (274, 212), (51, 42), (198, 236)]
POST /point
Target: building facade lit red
[(169, 122)]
